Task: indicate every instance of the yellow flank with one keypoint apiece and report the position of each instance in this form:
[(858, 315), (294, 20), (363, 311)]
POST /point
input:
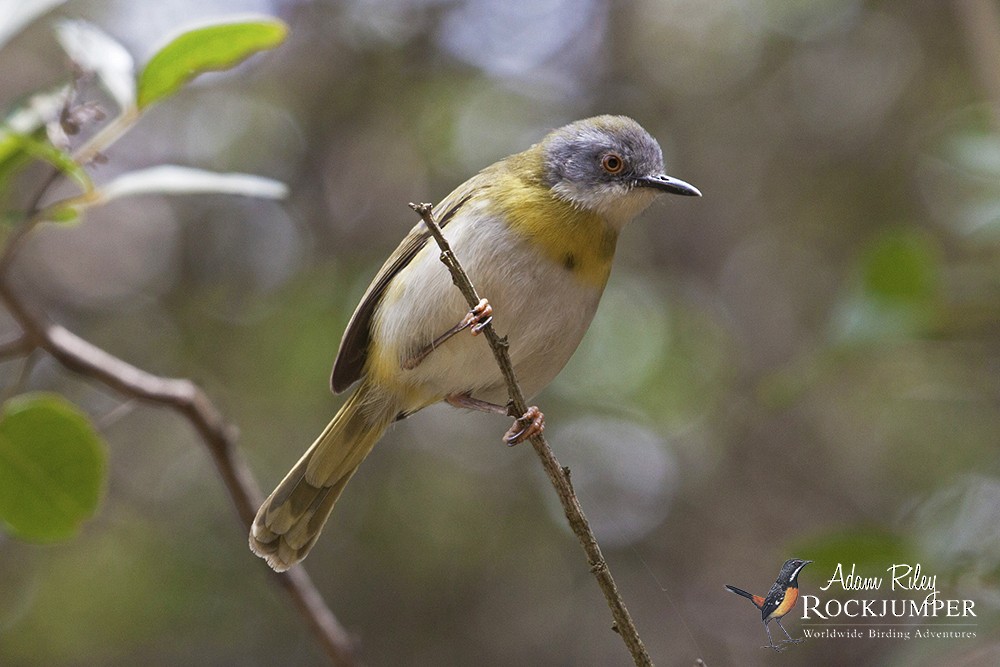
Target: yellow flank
[(579, 240), (383, 364)]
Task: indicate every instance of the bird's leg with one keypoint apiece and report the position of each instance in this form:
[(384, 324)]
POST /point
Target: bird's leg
[(527, 425), (793, 641), (466, 401), (770, 642), (477, 318)]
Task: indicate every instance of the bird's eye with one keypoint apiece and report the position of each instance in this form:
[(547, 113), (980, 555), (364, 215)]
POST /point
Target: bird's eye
[(612, 163)]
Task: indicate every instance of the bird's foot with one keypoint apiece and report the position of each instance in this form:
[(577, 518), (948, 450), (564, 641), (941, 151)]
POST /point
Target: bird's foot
[(530, 424), (478, 317)]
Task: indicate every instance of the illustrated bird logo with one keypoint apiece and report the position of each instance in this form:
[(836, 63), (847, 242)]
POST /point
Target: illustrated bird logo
[(779, 600)]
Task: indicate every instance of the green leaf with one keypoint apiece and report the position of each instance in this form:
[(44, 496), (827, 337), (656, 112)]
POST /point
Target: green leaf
[(53, 466), (26, 120), (898, 295), (94, 51), (12, 158), (64, 215), (171, 179), (214, 47), (61, 160), (901, 266)]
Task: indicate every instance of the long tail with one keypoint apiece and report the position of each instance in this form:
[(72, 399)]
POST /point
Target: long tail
[(756, 599), (290, 520)]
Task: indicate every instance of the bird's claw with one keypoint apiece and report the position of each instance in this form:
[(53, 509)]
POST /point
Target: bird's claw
[(530, 424), (478, 317)]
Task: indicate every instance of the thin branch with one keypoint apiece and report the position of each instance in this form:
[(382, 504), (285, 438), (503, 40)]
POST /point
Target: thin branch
[(18, 346), (181, 395), (17, 386), (20, 233), (558, 475), (186, 398)]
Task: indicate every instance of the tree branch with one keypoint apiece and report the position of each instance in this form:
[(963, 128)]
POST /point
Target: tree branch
[(558, 475), (186, 398), (18, 346), (181, 395)]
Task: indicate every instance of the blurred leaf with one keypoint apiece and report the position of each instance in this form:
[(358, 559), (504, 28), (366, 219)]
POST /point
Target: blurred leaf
[(63, 214), (40, 109), (94, 51), (43, 150), (52, 467), (12, 159), (982, 218), (15, 14), (901, 266), (27, 119), (171, 179), (900, 274), (862, 318), (210, 48), (979, 153)]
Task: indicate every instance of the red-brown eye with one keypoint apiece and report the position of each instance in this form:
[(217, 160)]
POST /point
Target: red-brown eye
[(612, 163)]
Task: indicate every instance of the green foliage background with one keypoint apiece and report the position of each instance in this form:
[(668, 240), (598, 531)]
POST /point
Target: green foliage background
[(803, 362)]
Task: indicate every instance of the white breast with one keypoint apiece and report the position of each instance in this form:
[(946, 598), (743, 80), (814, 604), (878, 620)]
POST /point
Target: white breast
[(539, 305)]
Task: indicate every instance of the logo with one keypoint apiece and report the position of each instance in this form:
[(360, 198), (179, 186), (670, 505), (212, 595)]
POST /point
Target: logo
[(778, 601), (908, 606)]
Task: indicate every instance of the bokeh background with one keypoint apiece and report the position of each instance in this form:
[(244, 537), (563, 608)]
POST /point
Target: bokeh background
[(804, 362)]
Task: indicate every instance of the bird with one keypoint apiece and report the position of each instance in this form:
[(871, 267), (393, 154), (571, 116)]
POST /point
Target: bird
[(779, 600), (536, 233)]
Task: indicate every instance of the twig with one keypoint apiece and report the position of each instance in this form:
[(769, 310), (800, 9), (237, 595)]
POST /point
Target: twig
[(28, 362), (183, 396), (558, 475), (18, 346), (20, 233)]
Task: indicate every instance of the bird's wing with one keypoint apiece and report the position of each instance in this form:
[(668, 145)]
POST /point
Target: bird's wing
[(357, 338), (772, 600)]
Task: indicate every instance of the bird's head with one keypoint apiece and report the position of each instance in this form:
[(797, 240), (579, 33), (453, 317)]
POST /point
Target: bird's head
[(609, 165), (790, 570)]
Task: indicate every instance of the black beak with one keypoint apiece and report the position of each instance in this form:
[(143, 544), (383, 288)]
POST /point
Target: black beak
[(666, 183)]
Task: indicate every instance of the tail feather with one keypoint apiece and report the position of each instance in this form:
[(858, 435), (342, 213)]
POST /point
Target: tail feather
[(756, 599), (290, 520)]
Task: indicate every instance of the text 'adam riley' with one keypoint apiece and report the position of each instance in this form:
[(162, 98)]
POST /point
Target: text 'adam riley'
[(902, 577)]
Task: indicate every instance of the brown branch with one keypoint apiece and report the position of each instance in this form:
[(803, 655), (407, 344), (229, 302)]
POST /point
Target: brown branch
[(186, 398), (181, 395), (19, 346), (558, 475)]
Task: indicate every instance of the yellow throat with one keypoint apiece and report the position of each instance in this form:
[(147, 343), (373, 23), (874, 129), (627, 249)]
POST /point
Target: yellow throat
[(582, 241)]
